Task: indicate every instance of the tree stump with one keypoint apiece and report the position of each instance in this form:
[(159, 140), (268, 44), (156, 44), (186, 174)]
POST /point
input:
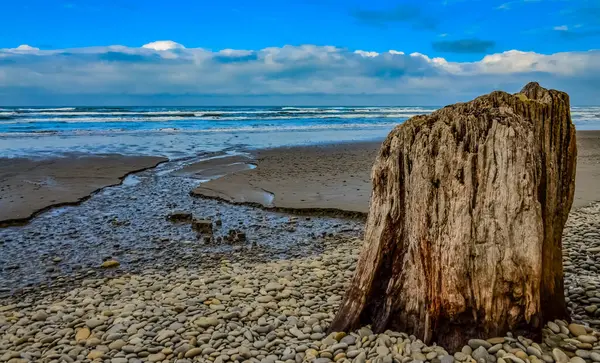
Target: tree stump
[(463, 238)]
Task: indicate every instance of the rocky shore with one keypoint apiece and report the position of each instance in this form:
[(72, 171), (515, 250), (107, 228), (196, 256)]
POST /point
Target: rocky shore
[(270, 296), (250, 306)]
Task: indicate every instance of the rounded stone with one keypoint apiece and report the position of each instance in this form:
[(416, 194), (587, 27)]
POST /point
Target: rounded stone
[(476, 343), (95, 354), (82, 334), (587, 338), (193, 352), (577, 329), (559, 356), (157, 357), (554, 327)]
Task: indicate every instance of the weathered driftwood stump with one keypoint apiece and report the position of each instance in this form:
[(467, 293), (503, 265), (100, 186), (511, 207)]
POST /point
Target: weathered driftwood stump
[(463, 238)]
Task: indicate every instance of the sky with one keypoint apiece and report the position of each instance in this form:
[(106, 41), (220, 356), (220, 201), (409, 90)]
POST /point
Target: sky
[(188, 52)]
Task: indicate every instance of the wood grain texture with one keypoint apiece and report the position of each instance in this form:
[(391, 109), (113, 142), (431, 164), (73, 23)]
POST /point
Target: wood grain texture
[(463, 237)]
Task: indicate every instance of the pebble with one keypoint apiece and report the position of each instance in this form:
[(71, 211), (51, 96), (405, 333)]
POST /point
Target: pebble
[(476, 343), (110, 264), (39, 316), (460, 356), (255, 310), (82, 334), (497, 340), (587, 339), (93, 323), (577, 329), (193, 352), (95, 354), (158, 357), (554, 327), (559, 356), (205, 322)]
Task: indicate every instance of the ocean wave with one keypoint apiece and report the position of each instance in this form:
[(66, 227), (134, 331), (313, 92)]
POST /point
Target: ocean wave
[(299, 108), (45, 109), (7, 115), (581, 120), (216, 113), (293, 128), (585, 114), (29, 133), (97, 113), (204, 131), (163, 118)]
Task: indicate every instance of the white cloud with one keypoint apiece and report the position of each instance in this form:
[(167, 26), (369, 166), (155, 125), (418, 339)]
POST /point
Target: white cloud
[(23, 48), (235, 52), (561, 28), (367, 54), (161, 45), (26, 47), (167, 67)]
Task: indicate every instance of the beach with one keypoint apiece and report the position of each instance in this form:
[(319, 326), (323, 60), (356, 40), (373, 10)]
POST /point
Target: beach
[(300, 181), (326, 177), (267, 294), (337, 177)]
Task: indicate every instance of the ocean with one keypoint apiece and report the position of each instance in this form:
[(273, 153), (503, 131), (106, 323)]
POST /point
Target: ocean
[(183, 131)]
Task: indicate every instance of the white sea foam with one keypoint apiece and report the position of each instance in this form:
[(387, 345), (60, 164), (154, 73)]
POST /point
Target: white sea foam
[(47, 109), (201, 113), (23, 120), (213, 130)]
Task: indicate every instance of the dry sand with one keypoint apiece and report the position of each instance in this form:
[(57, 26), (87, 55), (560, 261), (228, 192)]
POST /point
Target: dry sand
[(338, 176), (29, 186)]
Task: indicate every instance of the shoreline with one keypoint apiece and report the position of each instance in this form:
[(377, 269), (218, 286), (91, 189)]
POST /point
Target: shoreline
[(321, 184), (313, 212), (242, 184)]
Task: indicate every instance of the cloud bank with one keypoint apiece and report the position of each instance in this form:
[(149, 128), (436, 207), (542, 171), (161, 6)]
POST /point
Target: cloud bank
[(314, 74)]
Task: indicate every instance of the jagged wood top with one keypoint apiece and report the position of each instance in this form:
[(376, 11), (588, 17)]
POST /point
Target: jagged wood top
[(497, 102)]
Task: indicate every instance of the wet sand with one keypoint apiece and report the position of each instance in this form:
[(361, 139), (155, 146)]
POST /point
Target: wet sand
[(329, 177), (337, 177), (28, 186), (587, 182), (323, 177)]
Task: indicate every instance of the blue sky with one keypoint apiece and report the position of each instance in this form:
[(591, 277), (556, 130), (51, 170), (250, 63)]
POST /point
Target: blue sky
[(321, 47)]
